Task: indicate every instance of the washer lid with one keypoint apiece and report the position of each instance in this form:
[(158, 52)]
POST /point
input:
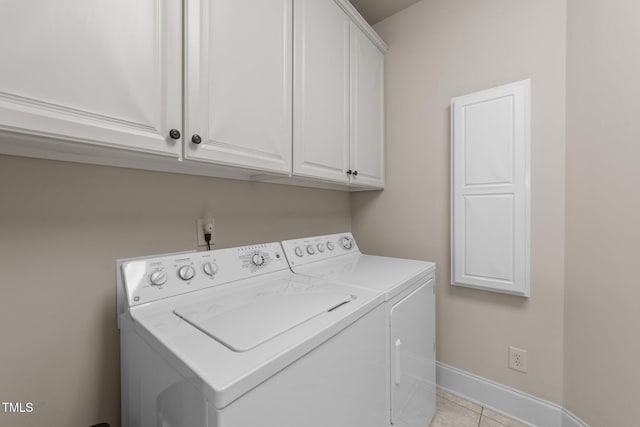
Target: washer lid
[(248, 325)]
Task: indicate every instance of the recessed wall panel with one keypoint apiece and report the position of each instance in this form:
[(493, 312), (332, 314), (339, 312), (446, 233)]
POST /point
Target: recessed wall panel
[(489, 236), (488, 139), (490, 194)]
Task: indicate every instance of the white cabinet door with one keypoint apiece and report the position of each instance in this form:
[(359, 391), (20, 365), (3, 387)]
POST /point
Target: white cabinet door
[(413, 368), (490, 173), (238, 83), (105, 72), (367, 111), (321, 90)]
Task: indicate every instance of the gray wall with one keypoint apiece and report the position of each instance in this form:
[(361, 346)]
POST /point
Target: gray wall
[(602, 301), (439, 49), (62, 225)]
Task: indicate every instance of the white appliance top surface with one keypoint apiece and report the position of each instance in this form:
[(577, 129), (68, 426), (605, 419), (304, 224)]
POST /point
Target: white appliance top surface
[(381, 274), (259, 326), (245, 320), (348, 265)]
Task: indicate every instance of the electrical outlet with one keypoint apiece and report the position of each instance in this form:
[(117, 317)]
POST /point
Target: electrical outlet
[(200, 233), (518, 359)]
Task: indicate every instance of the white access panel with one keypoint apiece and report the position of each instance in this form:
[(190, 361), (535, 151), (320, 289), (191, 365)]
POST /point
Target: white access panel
[(367, 111), (238, 83), (490, 183), (321, 90), (412, 355)]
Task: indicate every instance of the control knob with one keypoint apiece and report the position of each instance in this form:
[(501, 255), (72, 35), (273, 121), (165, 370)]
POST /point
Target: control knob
[(257, 260), (298, 251), (310, 250), (330, 246), (158, 278), (210, 268), (186, 272), (320, 247), (346, 243)]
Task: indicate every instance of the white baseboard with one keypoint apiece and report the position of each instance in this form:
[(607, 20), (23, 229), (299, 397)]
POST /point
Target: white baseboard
[(515, 403)]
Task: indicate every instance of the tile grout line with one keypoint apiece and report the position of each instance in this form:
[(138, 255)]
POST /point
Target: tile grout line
[(481, 413)]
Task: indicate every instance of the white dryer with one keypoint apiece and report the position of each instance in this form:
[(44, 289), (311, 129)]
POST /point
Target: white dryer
[(232, 338), (409, 290)]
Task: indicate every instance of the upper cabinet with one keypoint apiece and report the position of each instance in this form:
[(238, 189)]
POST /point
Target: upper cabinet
[(367, 111), (238, 65), (95, 73), (257, 89), (321, 88), (338, 96)]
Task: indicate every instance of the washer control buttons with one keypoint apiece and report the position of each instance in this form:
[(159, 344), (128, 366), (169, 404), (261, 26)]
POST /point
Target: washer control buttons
[(158, 278), (320, 247), (186, 272), (257, 259), (210, 268), (346, 243), (330, 246), (298, 251), (310, 250)]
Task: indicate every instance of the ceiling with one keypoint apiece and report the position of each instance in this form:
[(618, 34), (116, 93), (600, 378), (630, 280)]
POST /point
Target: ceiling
[(375, 11)]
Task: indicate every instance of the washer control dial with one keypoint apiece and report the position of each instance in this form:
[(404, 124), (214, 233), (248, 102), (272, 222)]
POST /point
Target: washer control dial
[(186, 272), (320, 247), (330, 246), (257, 259), (210, 268), (310, 250), (346, 243), (158, 278), (298, 251)]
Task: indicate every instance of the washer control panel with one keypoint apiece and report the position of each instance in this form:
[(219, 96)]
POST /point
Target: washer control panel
[(310, 249), (163, 276)]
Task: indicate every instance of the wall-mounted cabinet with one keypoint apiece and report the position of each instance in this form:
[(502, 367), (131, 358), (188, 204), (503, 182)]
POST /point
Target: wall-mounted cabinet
[(367, 111), (104, 74), (338, 97), (321, 88), (238, 83), (112, 85)]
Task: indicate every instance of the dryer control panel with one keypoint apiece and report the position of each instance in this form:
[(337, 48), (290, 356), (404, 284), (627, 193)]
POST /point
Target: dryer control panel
[(311, 249), (163, 276)]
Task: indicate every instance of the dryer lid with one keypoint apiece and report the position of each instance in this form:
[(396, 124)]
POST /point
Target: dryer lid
[(248, 325)]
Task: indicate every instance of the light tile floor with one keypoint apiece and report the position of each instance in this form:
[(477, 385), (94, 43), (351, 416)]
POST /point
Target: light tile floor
[(453, 411)]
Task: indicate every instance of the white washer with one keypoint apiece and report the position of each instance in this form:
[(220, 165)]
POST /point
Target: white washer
[(232, 338), (409, 290)]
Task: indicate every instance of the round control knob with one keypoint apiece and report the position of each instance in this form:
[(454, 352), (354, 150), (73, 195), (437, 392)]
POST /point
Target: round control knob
[(346, 243), (257, 260), (330, 246), (210, 268), (320, 247), (186, 272), (310, 250), (158, 278), (298, 251)]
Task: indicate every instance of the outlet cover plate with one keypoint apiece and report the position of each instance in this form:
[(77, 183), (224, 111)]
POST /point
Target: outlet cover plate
[(518, 359), (200, 233)]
